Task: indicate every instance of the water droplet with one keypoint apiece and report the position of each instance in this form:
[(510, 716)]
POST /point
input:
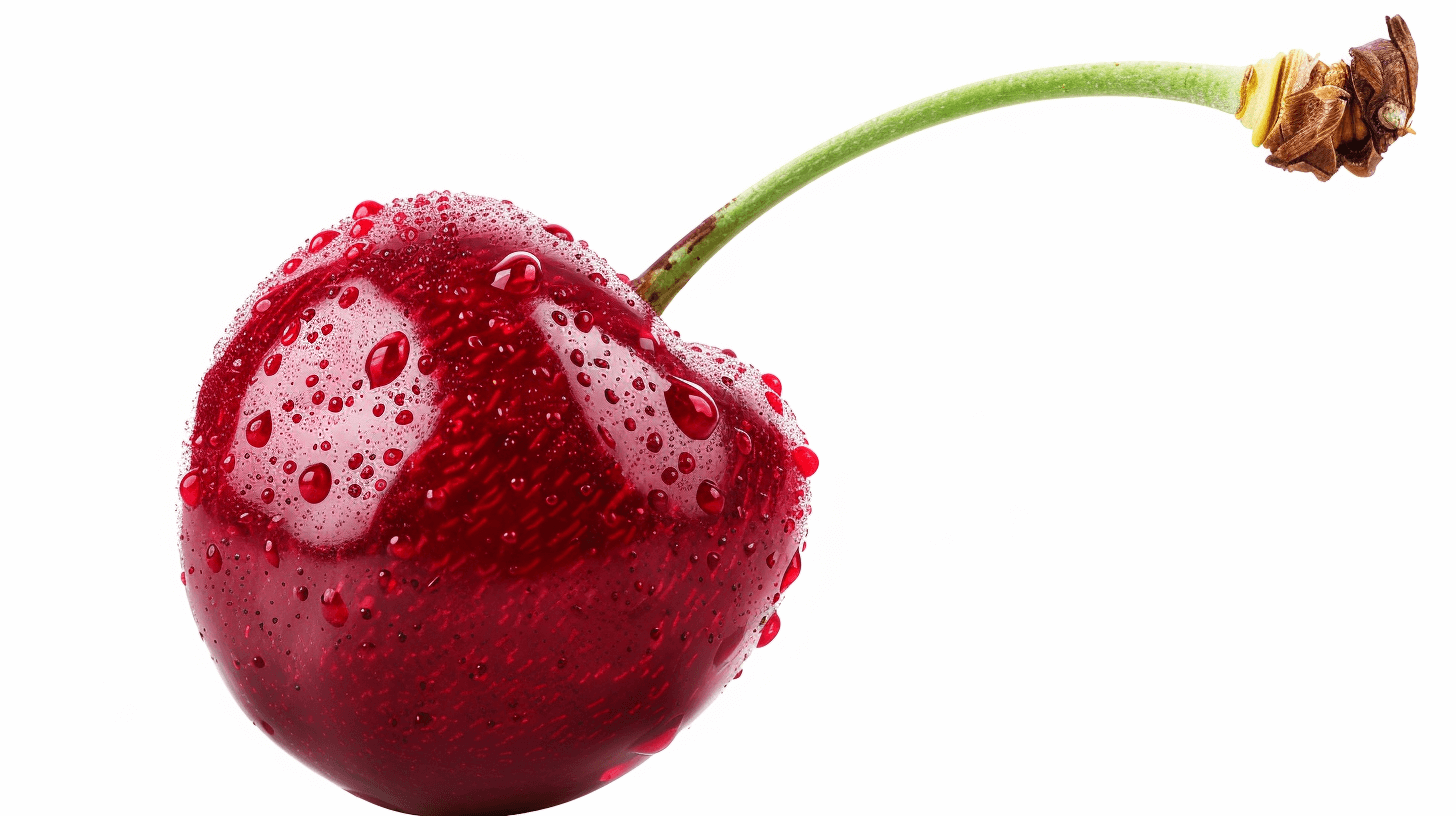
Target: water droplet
[(807, 460), (659, 741), (191, 487), (773, 384), (560, 317), (392, 456), (743, 442), (290, 332), (792, 573), (710, 498), (300, 592), (314, 483), (336, 612), (728, 646), (270, 365), (347, 299), (367, 208), (336, 405), (214, 558), (361, 228), (770, 631), (321, 240), (404, 418), (685, 462), (267, 495), (258, 661), (657, 500), (774, 402), (669, 475), (387, 359), (584, 320), (292, 265), (518, 273), (259, 429), (559, 231), (691, 407), (290, 466), (654, 442), (270, 552)]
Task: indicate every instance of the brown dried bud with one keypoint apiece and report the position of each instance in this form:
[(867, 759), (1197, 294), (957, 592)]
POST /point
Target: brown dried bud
[(1333, 116)]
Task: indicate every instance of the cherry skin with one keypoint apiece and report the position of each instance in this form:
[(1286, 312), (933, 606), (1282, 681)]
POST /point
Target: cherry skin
[(465, 526)]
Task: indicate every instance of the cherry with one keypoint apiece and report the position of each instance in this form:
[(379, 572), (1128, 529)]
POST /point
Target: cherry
[(436, 550)]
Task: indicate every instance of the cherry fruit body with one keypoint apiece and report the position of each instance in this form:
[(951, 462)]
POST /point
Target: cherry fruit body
[(465, 526)]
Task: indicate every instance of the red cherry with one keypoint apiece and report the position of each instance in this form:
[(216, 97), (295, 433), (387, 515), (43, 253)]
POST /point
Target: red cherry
[(481, 492)]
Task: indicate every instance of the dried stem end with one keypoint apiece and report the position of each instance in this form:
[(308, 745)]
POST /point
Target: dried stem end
[(1324, 117)]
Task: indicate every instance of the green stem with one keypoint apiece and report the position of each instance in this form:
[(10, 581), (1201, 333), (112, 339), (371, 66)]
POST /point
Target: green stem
[(1215, 86)]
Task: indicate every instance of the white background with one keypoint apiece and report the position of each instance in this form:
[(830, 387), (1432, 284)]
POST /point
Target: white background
[(1138, 455)]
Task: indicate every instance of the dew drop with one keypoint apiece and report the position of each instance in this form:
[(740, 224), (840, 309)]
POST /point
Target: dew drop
[(659, 741), (347, 299), (710, 498), (518, 273), (290, 332), (314, 483), (387, 359), (774, 402), (691, 407), (259, 429), (807, 460), (654, 442), (559, 231), (743, 442), (792, 573), (669, 475), (404, 418), (685, 462), (214, 558), (770, 631), (657, 500), (584, 320), (300, 592), (360, 229), (270, 365), (191, 487), (270, 552), (336, 612), (321, 240), (392, 456), (773, 384)]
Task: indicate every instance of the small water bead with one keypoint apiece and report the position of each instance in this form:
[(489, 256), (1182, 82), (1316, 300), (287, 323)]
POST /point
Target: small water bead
[(770, 631), (630, 424), (583, 321), (321, 240), (213, 557), (427, 363), (584, 378), (559, 231), (290, 332), (392, 456), (355, 461), (560, 318), (577, 357), (350, 295), (259, 663), (317, 398), (259, 429), (387, 359), (607, 437), (368, 208), (806, 460), (336, 612), (657, 500), (692, 408), (270, 365), (404, 418), (314, 483), (361, 228), (611, 396), (336, 405), (774, 402), (710, 498), (654, 442), (743, 442), (228, 462), (291, 265), (518, 273), (685, 462), (270, 552), (267, 495), (669, 475), (792, 573), (773, 384), (191, 487)]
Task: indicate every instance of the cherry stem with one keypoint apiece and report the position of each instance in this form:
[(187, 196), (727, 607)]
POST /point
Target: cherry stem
[(1214, 86)]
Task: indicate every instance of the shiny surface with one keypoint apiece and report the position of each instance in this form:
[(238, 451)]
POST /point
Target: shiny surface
[(428, 530)]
